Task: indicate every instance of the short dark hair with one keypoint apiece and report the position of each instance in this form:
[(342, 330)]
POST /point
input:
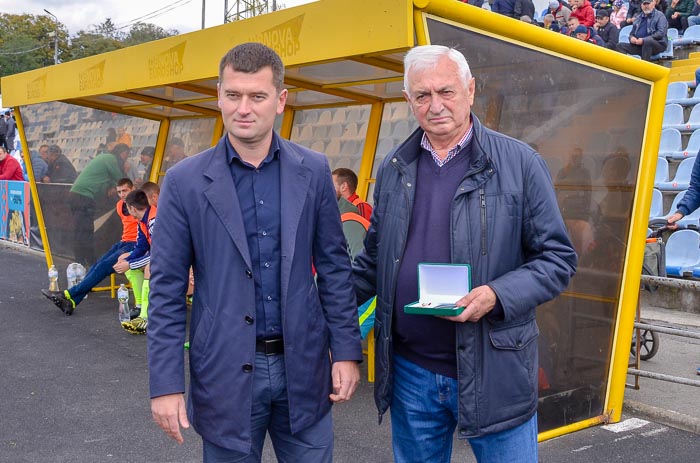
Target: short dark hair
[(125, 181), (119, 148), (149, 151), (150, 188), (250, 58), (55, 149), (346, 176), (137, 199)]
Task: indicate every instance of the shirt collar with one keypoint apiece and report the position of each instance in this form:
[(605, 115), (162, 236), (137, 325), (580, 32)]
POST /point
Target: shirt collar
[(464, 141), (273, 152)]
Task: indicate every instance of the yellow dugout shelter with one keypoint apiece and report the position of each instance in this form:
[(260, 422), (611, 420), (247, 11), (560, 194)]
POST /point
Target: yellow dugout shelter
[(594, 115)]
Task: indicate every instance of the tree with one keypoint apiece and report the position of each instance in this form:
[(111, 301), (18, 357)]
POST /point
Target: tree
[(86, 44), (21, 53), (26, 34), (146, 32)]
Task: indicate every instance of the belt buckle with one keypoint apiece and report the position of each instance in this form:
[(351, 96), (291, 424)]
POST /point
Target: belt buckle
[(272, 346)]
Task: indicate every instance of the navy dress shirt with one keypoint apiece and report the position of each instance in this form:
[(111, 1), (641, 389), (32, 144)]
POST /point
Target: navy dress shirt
[(258, 191)]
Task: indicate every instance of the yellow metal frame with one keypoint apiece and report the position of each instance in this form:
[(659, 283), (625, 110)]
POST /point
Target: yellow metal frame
[(371, 32)]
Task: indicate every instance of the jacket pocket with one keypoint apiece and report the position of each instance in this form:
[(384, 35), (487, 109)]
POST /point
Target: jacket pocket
[(509, 372)]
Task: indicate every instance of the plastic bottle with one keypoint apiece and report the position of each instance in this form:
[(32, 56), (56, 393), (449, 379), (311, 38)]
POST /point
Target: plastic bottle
[(123, 297), (53, 279), (70, 275)]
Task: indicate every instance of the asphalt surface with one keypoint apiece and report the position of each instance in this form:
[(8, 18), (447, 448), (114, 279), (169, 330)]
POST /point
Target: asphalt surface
[(75, 389)]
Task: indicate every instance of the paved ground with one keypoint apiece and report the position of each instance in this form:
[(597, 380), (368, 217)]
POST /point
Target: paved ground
[(75, 390)]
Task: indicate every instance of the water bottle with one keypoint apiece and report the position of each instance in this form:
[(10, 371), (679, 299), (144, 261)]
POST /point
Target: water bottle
[(53, 279), (70, 275), (123, 297)]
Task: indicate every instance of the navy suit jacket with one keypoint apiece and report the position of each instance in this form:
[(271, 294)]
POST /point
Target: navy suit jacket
[(200, 224)]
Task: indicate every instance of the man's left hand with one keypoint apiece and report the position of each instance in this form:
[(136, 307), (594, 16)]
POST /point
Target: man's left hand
[(121, 266), (346, 378), (480, 301)]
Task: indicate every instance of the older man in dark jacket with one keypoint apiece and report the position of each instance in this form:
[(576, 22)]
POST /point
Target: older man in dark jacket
[(649, 33), (457, 192), (607, 30)]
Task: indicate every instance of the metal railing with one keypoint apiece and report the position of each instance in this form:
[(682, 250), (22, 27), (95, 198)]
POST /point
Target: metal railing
[(633, 368)]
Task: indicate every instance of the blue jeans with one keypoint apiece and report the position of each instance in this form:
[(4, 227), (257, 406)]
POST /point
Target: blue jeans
[(424, 418), (100, 270), (270, 413)]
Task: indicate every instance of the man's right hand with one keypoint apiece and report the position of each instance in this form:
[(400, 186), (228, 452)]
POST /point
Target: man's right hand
[(169, 413), (672, 225)]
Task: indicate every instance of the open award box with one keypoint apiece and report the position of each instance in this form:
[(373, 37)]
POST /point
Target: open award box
[(439, 287)]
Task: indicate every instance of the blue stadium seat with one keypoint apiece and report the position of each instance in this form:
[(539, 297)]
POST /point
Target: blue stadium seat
[(673, 117), (682, 252), (693, 122), (666, 54), (672, 209), (676, 40), (693, 34), (625, 34), (691, 219), (695, 99), (681, 180), (677, 92), (696, 270), (690, 150), (661, 172), (670, 142), (657, 204)]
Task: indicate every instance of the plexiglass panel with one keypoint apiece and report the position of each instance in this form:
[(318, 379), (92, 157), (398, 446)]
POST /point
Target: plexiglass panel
[(187, 137), (71, 150), (397, 125), (588, 124), (339, 133)]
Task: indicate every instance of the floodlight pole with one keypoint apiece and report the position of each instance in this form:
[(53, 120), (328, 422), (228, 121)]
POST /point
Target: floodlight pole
[(204, 4), (55, 39)]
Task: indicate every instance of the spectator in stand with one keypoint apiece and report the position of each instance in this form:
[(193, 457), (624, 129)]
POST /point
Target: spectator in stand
[(694, 18), (71, 297), (40, 163), (588, 34), (583, 11), (123, 136), (677, 14), (649, 33), (10, 129), (143, 169), (10, 169), (571, 26), (60, 169), (3, 131), (602, 5), (634, 9), (174, 153), (524, 8), (560, 12), (549, 23), (504, 7), (93, 184), (619, 14), (691, 199), (607, 30), (345, 182)]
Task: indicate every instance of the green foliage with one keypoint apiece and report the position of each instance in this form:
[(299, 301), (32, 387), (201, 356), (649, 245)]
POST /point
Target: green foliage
[(27, 41)]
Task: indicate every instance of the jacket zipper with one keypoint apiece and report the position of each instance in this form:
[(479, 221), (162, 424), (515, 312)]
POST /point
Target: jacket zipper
[(482, 199)]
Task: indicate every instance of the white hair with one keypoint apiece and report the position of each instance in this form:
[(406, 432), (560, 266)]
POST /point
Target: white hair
[(428, 56)]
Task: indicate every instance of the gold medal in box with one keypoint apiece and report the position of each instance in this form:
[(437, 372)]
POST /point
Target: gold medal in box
[(440, 286)]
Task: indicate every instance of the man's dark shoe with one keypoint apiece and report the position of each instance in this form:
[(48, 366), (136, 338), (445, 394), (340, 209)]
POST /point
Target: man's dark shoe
[(135, 312), (60, 300)]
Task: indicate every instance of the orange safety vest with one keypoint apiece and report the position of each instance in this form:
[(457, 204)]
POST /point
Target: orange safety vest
[(129, 223), (144, 226)]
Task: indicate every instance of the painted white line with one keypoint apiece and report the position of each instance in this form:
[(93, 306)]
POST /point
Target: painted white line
[(626, 436), (627, 425), (581, 449), (654, 431)]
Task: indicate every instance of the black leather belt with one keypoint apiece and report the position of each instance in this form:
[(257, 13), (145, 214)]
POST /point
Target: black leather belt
[(270, 346)]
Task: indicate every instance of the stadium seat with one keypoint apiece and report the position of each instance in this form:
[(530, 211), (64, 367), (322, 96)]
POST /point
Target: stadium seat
[(670, 142), (682, 252), (657, 204), (625, 34), (693, 34), (696, 270), (675, 39), (692, 101), (677, 92), (690, 150), (681, 180), (691, 219), (661, 172), (666, 54), (673, 117)]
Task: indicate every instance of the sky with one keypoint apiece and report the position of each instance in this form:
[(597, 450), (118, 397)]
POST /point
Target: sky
[(183, 15)]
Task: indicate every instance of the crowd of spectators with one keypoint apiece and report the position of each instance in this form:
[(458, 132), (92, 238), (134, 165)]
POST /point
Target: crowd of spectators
[(600, 22)]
